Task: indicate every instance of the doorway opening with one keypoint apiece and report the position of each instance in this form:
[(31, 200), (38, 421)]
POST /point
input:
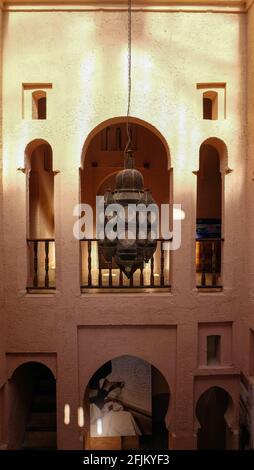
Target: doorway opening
[(125, 403)]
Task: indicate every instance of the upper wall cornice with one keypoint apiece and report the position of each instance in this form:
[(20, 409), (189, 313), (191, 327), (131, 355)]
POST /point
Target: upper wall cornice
[(125, 2), (228, 6)]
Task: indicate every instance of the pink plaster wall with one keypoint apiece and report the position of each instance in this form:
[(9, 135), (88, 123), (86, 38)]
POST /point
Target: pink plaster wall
[(77, 333)]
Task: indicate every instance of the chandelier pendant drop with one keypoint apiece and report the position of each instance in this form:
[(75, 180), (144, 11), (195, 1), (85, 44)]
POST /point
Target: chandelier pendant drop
[(131, 251)]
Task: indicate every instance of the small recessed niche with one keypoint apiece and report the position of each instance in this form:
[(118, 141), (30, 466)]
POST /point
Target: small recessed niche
[(213, 349), (213, 100), (39, 105), (215, 344), (210, 105), (35, 100)]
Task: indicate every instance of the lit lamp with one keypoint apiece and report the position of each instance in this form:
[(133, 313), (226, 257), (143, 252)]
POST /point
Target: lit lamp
[(129, 253)]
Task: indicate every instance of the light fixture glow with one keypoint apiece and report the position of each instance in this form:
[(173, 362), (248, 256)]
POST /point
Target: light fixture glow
[(178, 214), (80, 417), (66, 414), (99, 427)]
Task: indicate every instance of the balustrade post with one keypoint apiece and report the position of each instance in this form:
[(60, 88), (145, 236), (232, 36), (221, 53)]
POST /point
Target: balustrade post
[(152, 272), (203, 273), (162, 265), (214, 280), (89, 263), (35, 279), (46, 263)]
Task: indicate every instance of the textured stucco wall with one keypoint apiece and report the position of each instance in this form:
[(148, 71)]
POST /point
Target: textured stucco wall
[(83, 54)]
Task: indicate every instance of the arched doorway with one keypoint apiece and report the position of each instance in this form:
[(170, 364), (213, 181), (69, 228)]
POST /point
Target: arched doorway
[(102, 158), (209, 214), (41, 224), (126, 402), (32, 405), (211, 409)]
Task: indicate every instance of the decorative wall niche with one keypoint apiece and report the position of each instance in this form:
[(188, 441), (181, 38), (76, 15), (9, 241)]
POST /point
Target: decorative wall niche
[(213, 349), (215, 344), (212, 100), (35, 100)]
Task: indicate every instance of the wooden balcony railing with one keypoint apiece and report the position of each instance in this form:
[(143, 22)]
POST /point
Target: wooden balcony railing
[(96, 273), (41, 266), (208, 263)]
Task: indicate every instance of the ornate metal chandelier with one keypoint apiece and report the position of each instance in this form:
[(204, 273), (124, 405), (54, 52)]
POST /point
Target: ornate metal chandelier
[(129, 253)]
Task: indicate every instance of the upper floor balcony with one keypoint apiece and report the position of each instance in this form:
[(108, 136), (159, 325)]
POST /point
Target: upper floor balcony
[(98, 275), (102, 159)]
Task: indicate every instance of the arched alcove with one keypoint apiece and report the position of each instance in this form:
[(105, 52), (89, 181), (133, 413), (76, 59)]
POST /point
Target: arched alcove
[(210, 105), (213, 411), (39, 167), (125, 404), (222, 150), (102, 158), (121, 120), (32, 407), (40, 205), (213, 166)]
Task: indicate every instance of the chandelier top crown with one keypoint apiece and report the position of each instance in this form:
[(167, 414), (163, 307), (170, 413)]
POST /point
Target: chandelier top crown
[(129, 179)]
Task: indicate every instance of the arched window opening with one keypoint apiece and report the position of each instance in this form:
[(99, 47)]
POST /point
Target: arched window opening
[(41, 193), (209, 214), (125, 403), (211, 409), (210, 105), (32, 408), (213, 349), (41, 224), (96, 271), (39, 104)]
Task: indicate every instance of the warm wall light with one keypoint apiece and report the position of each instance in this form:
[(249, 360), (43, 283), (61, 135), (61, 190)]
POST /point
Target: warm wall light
[(66, 414), (178, 214), (80, 416), (145, 61), (99, 427), (88, 67)]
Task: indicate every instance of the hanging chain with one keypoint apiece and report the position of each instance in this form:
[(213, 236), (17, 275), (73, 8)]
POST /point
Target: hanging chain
[(128, 145), (129, 57)]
